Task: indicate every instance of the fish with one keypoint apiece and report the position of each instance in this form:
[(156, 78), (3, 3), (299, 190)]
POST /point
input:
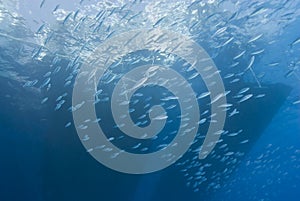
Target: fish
[(57, 107), (46, 82), (239, 55), (243, 90), (40, 29), (225, 105), (139, 83), (229, 75), (296, 102), (235, 64), (244, 141), (42, 3), (258, 52), (235, 134), (66, 18), (274, 64), (219, 31), (246, 97), (251, 63), (158, 21), (44, 100), (194, 75), (234, 112), (150, 70), (203, 95), (235, 80), (137, 146), (227, 42), (296, 41), (56, 8), (259, 10), (229, 153), (75, 14), (170, 98), (160, 117), (289, 73), (260, 95), (233, 16), (68, 124), (255, 38), (30, 83), (216, 98)]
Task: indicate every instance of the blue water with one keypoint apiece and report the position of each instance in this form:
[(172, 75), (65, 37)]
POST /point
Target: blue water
[(42, 50)]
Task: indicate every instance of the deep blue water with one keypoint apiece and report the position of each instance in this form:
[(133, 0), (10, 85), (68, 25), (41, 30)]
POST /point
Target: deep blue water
[(254, 45)]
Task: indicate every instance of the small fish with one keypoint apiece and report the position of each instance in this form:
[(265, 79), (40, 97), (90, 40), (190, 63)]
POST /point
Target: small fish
[(68, 124), (296, 41), (42, 3), (46, 82), (219, 31), (246, 98), (113, 77), (229, 75), (67, 17), (67, 83), (260, 95), (289, 73), (203, 95), (160, 117), (57, 69), (140, 83), (216, 98), (225, 105), (158, 21), (171, 107), (151, 69), (99, 15), (235, 134), (235, 64), (97, 120), (244, 142), (85, 138), (202, 121), (227, 42), (193, 76), (251, 63), (137, 146), (82, 127), (235, 80), (233, 16), (243, 90), (258, 52), (258, 11), (229, 153), (57, 107), (274, 64), (30, 83), (75, 14), (56, 8), (44, 100), (170, 98), (223, 146), (296, 102), (239, 55), (59, 98), (40, 29), (255, 38), (234, 112)]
